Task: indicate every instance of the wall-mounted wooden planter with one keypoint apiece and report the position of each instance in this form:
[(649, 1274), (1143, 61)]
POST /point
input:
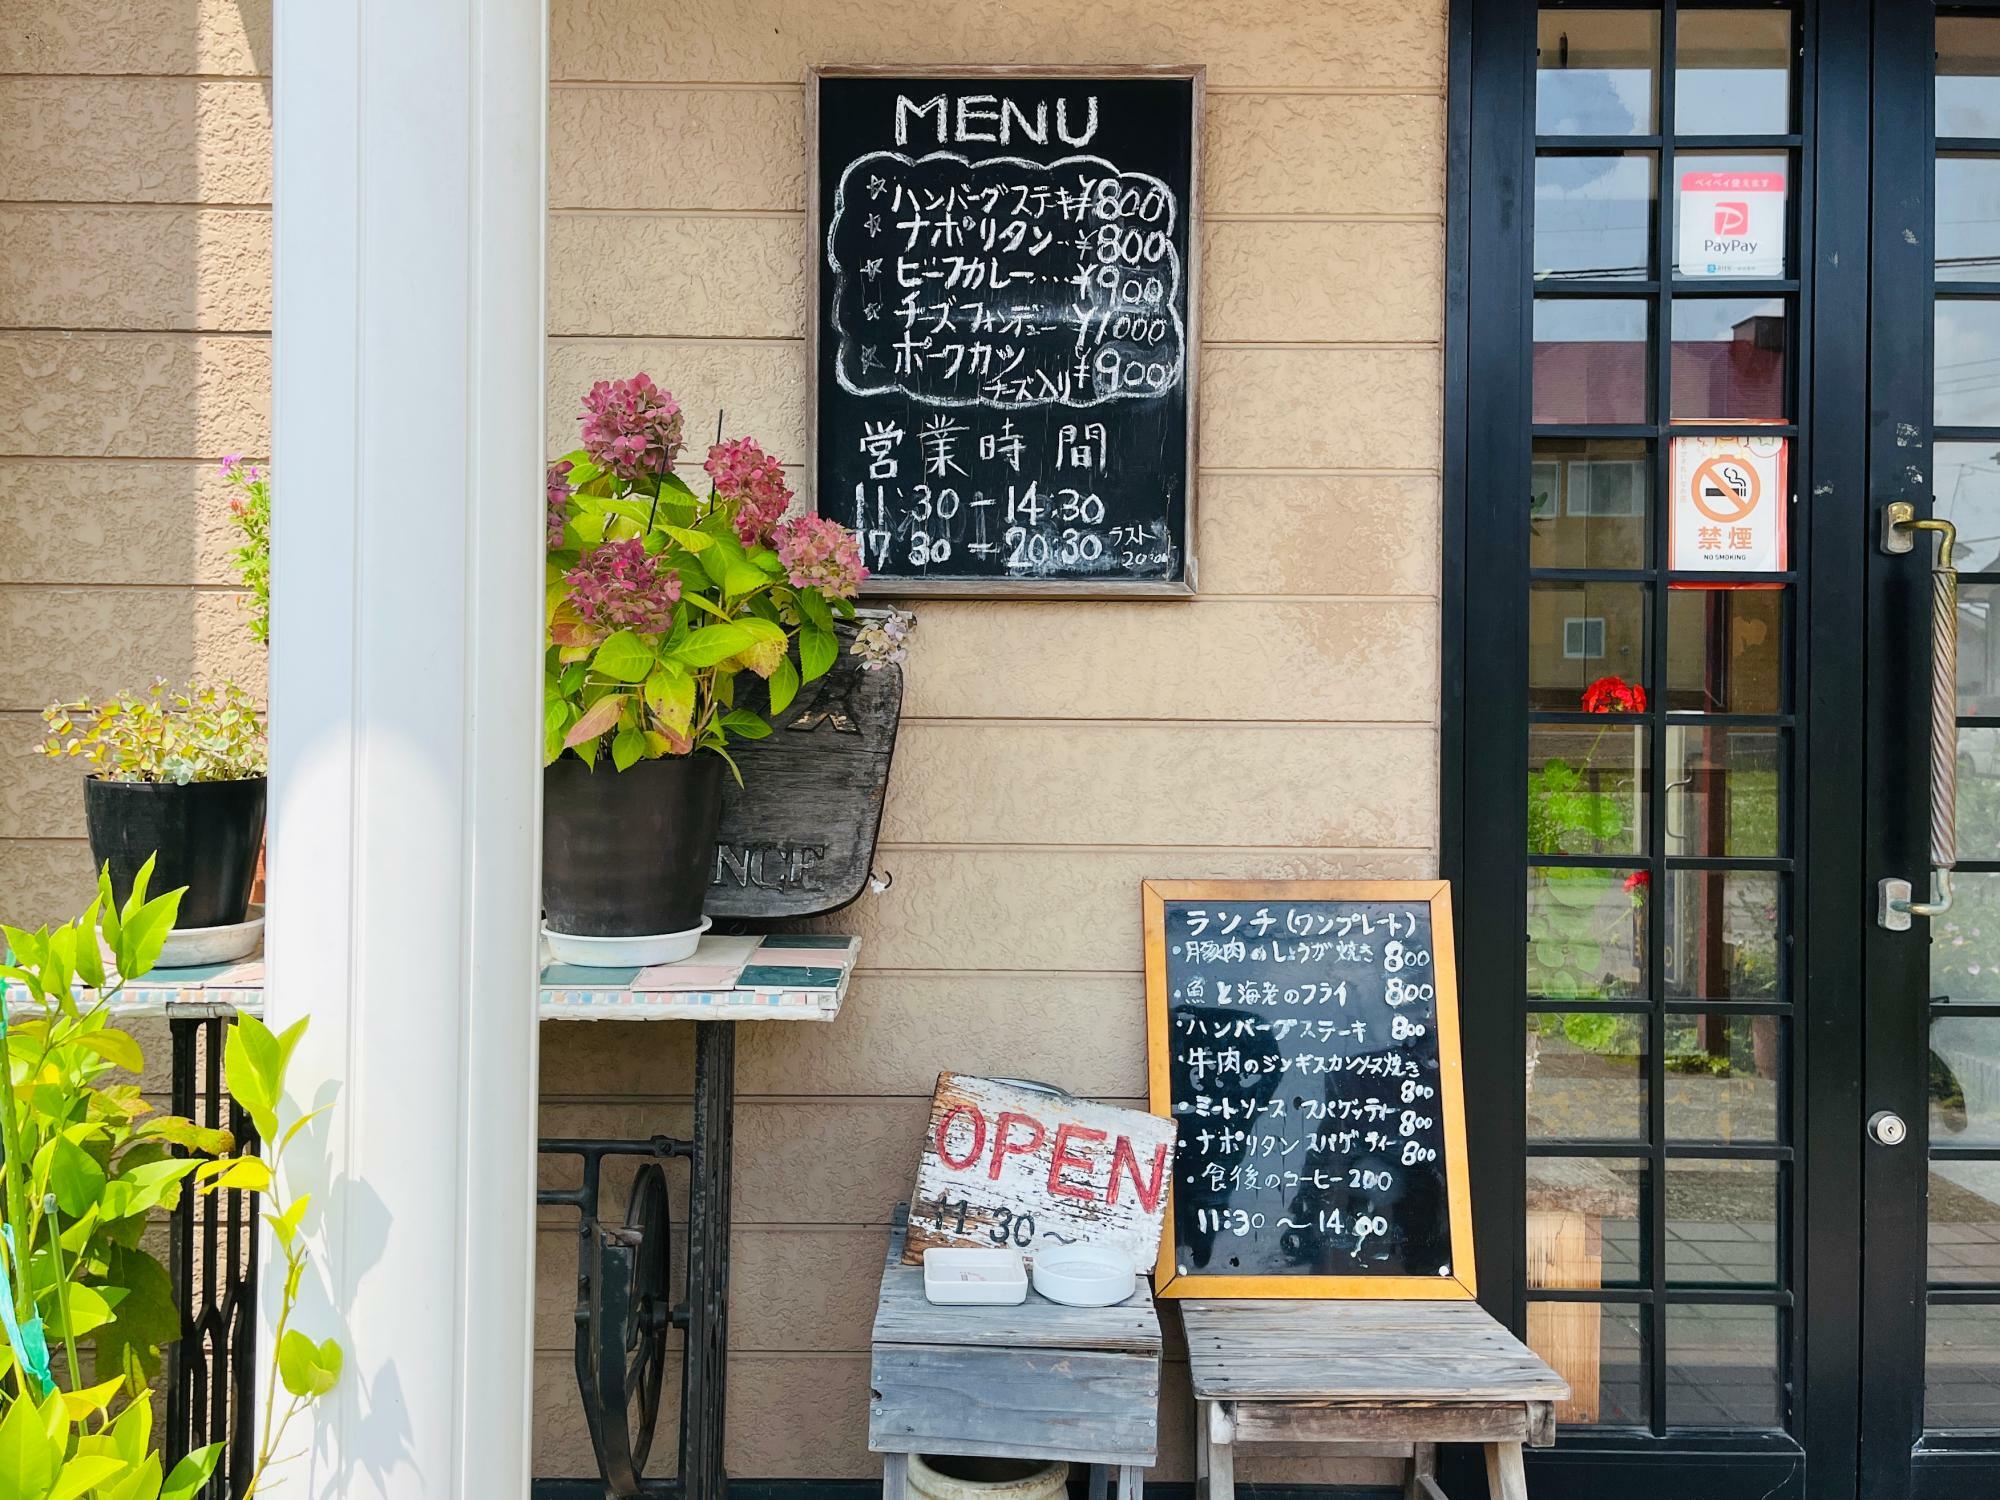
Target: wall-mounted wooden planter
[(798, 837)]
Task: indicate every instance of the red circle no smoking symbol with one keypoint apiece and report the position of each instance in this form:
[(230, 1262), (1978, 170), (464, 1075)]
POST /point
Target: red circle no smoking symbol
[(1725, 489)]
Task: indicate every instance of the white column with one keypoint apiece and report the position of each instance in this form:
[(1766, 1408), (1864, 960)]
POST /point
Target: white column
[(405, 714)]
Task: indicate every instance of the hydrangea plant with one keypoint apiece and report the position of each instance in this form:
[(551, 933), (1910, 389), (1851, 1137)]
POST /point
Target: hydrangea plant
[(659, 598)]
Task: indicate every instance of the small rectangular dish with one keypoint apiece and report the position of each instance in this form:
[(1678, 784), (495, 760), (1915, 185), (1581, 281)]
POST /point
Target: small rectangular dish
[(975, 1278)]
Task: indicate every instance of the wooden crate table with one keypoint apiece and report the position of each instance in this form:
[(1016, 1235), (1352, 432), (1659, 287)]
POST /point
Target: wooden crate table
[(1376, 1378), (1040, 1380)]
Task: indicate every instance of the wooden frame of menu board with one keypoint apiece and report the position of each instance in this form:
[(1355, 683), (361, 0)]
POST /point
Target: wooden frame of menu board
[(1456, 1281), (1056, 583)]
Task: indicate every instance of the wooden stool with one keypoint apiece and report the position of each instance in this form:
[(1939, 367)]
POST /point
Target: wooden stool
[(1379, 1379), (1080, 1384)]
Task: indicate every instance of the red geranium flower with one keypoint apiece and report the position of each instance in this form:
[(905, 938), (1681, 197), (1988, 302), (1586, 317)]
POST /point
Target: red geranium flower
[(1637, 881), (1614, 695)]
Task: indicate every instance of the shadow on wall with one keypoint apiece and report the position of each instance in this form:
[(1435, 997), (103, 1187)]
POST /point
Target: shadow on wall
[(135, 314)]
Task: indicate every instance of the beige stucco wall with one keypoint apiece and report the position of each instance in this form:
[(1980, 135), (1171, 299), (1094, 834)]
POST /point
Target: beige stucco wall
[(1053, 755)]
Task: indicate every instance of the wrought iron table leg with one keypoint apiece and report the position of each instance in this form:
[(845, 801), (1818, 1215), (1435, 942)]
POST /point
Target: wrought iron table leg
[(705, 1358), (212, 1264)]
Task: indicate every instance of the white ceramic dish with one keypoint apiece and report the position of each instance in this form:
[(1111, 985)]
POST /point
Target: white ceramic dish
[(1084, 1276), (975, 1278), (625, 952), (187, 947)]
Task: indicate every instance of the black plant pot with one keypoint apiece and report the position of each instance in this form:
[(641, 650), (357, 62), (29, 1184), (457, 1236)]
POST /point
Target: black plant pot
[(628, 853), (205, 836)]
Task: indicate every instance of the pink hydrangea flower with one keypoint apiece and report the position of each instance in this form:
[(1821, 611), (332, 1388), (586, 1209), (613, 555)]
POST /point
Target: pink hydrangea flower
[(631, 427), (818, 553), (618, 587), (558, 502), (746, 474)]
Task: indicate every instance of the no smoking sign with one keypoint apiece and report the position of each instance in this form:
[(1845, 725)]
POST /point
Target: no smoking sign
[(1728, 505)]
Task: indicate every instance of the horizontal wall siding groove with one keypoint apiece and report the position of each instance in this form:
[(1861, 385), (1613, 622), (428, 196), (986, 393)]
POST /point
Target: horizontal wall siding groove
[(137, 77), (191, 587), (135, 205), (68, 329)]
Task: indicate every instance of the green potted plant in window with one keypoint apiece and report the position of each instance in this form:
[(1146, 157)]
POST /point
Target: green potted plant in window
[(178, 777), (659, 599)]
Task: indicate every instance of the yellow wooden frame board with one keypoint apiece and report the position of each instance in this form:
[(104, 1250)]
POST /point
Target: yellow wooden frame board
[(1462, 1284)]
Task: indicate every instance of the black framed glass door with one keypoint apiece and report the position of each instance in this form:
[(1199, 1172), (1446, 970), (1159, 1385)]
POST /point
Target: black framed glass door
[(1679, 759), (1931, 1328)]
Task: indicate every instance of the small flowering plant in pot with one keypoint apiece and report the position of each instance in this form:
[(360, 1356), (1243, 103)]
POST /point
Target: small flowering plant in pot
[(177, 778), (660, 599)]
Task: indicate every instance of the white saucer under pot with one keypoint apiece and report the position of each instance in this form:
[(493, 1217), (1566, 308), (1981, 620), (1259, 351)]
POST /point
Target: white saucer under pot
[(625, 952), (188, 947)]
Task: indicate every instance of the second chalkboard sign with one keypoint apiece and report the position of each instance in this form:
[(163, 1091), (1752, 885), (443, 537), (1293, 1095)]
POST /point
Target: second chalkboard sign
[(1303, 1036), (1005, 325)]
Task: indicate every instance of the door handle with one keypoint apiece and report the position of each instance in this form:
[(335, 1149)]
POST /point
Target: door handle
[(1899, 521)]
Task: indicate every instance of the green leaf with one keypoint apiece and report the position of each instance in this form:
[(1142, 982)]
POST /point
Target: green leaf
[(89, 959), (308, 1369), (745, 725), (714, 643), (27, 1458), (628, 748), (147, 1317), (624, 658), (116, 1047), (251, 1064), (144, 931), (181, 1132), (818, 650), (79, 1310), (87, 1471), (107, 910), (696, 542), (74, 1177), (245, 1173), (142, 1483), (132, 1433), (760, 629), (92, 1399), (783, 685), (191, 1473), (812, 604), (670, 694), (286, 1225)]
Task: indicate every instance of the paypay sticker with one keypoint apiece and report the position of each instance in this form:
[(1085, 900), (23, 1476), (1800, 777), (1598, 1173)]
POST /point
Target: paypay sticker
[(1732, 224), (1729, 504)]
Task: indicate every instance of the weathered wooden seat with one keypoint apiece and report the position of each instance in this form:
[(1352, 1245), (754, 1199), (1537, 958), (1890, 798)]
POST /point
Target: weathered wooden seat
[(1375, 1378), (1039, 1380)]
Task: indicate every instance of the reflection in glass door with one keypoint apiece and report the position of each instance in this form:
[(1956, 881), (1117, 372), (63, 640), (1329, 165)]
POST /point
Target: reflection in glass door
[(1662, 729), (1962, 1324)]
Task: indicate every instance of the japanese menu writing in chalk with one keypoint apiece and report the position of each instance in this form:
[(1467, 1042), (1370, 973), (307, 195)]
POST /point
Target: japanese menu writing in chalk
[(1303, 1037), (1004, 334)]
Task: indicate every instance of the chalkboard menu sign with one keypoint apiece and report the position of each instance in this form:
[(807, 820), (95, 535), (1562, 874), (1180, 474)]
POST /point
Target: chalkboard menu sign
[(1303, 1036), (1004, 337)]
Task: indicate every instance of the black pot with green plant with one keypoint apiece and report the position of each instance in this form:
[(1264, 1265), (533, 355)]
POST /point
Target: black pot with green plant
[(177, 777)]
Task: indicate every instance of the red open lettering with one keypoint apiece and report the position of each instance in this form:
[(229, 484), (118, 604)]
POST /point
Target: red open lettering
[(1148, 1191), (1003, 1148), (1064, 1157), (960, 1163)]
